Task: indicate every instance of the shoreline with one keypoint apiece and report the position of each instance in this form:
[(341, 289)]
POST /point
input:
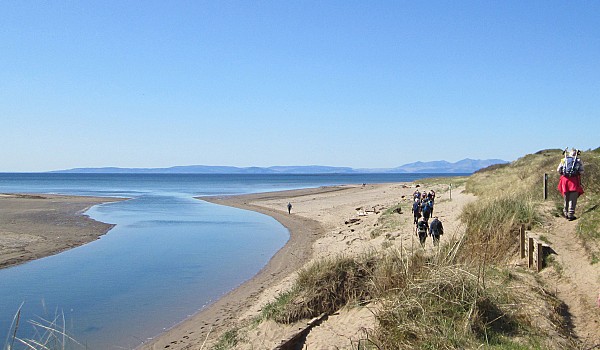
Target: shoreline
[(296, 252), (34, 226), (324, 221)]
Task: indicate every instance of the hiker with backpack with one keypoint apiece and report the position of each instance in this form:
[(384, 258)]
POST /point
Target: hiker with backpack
[(431, 195), (416, 210), (417, 194), (569, 185), (422, 228), (436, 229), (426, 209)]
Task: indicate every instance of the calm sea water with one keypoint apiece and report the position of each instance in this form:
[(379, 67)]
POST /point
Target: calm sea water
[(168, 256)]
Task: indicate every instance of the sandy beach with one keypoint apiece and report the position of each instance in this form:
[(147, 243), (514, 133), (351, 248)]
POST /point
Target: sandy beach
[(324, 222), (36, 226)]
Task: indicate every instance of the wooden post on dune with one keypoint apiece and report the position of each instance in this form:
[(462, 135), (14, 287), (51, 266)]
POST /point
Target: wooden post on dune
[(539, 256), (530, 249), (522, 241), (545, 186)]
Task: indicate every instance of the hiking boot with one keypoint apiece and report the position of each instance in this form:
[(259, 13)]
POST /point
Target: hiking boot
[(571, 218)]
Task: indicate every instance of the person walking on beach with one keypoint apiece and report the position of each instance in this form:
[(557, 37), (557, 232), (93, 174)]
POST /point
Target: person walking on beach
[(569, 185), (416, 210), (422, 228), (436, 229), (289, 206), (431, 195), (417, 194), (427, 208)]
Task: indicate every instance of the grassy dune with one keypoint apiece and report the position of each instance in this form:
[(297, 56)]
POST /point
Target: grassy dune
[(465, 295)]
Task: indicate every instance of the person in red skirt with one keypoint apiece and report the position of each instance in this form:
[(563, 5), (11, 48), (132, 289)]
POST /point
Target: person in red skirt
[(569, 185)]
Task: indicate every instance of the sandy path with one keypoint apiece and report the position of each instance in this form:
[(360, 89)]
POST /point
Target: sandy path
[(35, 226), (319, 226), (576, 280)]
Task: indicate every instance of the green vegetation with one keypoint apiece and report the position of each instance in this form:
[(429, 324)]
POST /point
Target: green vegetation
[(493, 225), (325, 286), (456, 181), (228, 340), (388, 221)]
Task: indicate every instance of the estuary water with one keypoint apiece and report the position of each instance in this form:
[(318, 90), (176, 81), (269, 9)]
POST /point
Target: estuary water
[(168, 256)]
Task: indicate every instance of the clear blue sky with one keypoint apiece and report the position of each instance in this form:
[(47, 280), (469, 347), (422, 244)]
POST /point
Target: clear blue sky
[(259, 83)]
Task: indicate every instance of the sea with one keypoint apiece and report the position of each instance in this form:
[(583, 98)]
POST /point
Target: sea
[(169, 255)]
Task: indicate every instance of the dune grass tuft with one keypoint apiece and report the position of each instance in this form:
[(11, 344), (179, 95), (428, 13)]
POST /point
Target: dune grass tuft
[(48, 334), (493, 225), (324, 286), (446, 308)]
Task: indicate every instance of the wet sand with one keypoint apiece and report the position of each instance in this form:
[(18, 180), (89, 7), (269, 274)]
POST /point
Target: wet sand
[(218, 316), (36, 226)]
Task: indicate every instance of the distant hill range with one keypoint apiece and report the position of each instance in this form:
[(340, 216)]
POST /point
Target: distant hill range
[(465, 166)]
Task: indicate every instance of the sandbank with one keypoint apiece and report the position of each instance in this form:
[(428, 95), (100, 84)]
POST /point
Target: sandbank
[(34, 226)]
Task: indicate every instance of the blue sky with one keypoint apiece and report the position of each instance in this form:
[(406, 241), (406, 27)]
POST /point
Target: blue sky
[(259, 83)]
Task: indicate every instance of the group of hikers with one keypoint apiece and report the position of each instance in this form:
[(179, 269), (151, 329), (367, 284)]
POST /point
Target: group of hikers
[(422, 210)]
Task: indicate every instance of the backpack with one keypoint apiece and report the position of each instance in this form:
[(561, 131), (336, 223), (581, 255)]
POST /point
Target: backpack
[(422, 227), (427, 207), (571, 167)]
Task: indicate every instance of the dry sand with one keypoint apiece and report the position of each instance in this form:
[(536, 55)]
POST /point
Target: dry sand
[(35, 226), (324, 221)]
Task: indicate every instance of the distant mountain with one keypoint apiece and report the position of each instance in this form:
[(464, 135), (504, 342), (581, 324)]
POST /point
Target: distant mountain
[(208, 169), (465, 166)]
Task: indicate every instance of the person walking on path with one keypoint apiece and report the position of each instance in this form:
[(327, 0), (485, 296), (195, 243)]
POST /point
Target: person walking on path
[(426, 209), (431, 195), (417, 194), (416, 210), (569, 185), (422, 228), (289, 206), (436, 229)]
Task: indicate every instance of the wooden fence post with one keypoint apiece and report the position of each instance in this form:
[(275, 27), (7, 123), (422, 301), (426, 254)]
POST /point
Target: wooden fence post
[(539, 256), (522, 241), (530, 252), (545, 186)]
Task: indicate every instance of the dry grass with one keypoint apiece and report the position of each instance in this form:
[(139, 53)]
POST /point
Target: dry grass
[(493, 225), (462, 296), (48, 334), (324, 287)]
